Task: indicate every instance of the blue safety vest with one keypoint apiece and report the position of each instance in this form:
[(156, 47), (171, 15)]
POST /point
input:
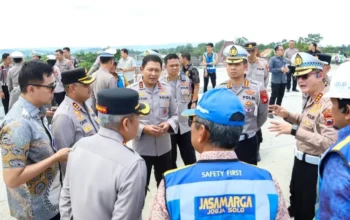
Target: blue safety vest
[(223, 189), (120, 83), (342, 148), (209, 59)]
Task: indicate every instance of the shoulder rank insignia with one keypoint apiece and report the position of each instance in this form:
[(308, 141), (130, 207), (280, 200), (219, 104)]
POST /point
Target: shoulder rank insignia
[(140, 85), (318, 97), (76, 106), (246, 83), (168, 79), (229, 84)]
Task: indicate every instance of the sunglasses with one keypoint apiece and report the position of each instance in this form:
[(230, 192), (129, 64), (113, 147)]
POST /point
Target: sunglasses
[(50, 87), (306, 76)]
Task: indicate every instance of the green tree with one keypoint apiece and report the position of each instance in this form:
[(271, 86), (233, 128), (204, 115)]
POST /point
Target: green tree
[(313, 38), (241, 41)]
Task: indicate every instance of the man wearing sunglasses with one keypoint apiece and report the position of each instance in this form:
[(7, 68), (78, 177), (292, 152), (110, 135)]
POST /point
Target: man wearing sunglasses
[(254, 98), (313, 130), (30, 158), (74, 118), (218, 186)]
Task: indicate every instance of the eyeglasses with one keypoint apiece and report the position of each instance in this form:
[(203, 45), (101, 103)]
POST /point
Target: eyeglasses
[(190, 121), (306, 76), (51, 86)]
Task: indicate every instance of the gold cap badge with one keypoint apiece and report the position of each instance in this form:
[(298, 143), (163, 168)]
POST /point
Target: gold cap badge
[(298, 60)]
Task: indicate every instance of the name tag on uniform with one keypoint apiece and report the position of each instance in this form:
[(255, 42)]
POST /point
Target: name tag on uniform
[(225, 205)]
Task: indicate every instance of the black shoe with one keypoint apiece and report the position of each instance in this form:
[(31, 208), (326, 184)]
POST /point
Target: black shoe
[(291, 212), (287, 90), (295, 90), (258, 157)]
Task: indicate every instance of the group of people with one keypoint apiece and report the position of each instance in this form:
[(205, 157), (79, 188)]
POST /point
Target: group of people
[(79, 166)]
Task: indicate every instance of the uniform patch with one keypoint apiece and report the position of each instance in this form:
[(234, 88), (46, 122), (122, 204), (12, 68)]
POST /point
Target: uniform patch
[(165, 111), (225, 205), (184, 84), (87, 128), (246, 83), (328, 118), (248, 103), (248, 109), (315, 108), (264, 97), (76, 106), (250, 92), (141, 94)]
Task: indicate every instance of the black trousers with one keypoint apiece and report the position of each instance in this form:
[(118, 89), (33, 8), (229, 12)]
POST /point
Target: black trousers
[(212, 77), (277, 93), (57, 217), (6, 100), (59, 97), (260, 139), (161, 165), (303, 186), (187, 152), (291, 78), (247, 150)]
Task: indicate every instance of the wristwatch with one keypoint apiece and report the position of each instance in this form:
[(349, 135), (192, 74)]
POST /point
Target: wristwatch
[(194, 102), (294, 129)]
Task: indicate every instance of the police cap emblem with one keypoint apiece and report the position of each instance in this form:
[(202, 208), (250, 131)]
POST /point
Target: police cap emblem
[(233, 51), (298, 60)]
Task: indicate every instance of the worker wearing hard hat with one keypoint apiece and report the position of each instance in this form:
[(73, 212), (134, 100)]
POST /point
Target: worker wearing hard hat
[(12, 78), (334, 171)]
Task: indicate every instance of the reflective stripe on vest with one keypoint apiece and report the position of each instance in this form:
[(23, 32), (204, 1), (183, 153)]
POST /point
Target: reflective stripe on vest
[(221, 190), (210, 68)]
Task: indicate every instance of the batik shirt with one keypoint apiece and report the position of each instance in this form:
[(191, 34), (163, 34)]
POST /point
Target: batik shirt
[(25, 139)]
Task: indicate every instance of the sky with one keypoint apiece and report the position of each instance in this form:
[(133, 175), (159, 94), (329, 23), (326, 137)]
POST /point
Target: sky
[(100, 23)]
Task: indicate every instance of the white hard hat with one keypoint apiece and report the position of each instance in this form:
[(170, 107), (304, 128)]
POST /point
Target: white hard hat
[(340, 83), (17, 54), (51, 57)]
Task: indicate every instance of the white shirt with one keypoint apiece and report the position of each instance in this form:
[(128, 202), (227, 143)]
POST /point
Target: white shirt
[(57, 74), (127, 63)]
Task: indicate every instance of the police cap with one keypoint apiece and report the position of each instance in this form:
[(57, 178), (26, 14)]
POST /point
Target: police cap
[(235, 54), (120, 101), (17, 54), (250, 45), (324, 57), (305, 63), (76, 76)]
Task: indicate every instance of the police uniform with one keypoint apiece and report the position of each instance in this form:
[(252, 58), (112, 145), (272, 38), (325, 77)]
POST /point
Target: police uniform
[(180, 88), (327, 61), (104, 79), (314, 132), (218, 186), (334, 169), (74, 61), (73, 120), (4, 70), (156, 151), (105, 179), (12, 79), (254, 98), (258, 71), (64, 65)]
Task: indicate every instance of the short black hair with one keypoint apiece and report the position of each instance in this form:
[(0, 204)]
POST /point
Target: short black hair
[(51, 62), (60, 51), (186, 55), (5, 55), (66, 48), (291, 41), (170, 57), (342, 103), (210, 44), (105, 60), (125, 50), (17, 60), (313, 43), (277, 46), (33, 72), (153, 58)]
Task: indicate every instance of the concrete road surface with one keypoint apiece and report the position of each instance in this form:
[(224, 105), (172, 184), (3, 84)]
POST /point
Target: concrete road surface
[(276, 153)]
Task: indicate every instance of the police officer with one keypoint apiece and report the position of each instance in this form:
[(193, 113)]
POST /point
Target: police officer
[(74, 119), (36, 56), (12, 78), (58, 93), (104, 79), (258, 70), (254, 98), (153, 141), (105, 179), (67, 55), (180, 86), (218, 186), (334, 171), (96, 64), (326, 59), (4, 70), (313, 130)]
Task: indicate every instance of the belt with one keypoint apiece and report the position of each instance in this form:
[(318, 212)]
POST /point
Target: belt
[(315, 160), (246, 136)]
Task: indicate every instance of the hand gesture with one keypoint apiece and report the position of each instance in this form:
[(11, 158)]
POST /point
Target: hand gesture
[(152, 130), (62, 155), (279, 111), (164, 127), (280, 128)]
